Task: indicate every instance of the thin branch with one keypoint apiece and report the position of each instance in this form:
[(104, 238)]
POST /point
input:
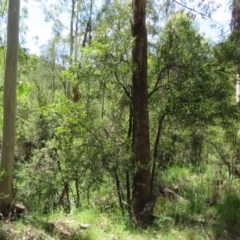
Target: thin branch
[(196, 11), (160, 77), (118, 80), (122, 85)]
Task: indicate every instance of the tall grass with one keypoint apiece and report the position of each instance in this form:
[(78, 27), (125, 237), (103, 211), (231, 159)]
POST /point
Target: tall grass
[(229, 215)]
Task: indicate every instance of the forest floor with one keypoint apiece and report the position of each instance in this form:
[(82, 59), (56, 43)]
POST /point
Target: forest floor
[(68, 229), (206, 206), (90, 225)]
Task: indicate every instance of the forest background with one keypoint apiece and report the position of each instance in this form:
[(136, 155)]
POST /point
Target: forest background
[(36, 37), (74, 129)]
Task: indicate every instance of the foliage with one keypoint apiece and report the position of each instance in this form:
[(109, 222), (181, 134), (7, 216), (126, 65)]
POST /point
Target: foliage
[(83, 141), (187, 81), (228, 215)]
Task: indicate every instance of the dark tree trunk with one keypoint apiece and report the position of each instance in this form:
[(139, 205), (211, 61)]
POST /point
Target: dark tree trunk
[(67, 206), (128, 167), (128, 192), (155, 151), (141, 192), (77, 186), (119, 191)]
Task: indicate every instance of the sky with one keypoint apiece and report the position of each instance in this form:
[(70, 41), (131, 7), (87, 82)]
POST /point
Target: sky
[(40, 31), (221, 18)]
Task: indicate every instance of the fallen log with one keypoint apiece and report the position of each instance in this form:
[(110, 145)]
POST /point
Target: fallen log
[(170, 194)]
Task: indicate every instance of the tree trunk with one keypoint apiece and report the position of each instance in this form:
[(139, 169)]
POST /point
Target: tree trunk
[(119, 191), (155, 151), (9, 117), (141, 192), (67, 204), (235, 27), (235, 21), (88, 32), (128, 167), (71, 35), (77, 186)]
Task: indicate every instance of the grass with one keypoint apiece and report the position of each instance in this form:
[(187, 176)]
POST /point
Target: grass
[(107, 226), (229, 215), (192, 219), (102, 227)]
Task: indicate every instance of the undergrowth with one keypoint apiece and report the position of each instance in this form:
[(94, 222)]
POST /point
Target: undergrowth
[(207, 209)]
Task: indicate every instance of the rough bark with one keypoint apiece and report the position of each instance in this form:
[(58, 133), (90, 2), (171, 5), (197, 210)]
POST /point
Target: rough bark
[(141, 192), (9, 115), (235, 22)]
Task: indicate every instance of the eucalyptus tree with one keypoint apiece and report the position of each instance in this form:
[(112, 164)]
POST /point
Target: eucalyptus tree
[(115, 41), (235, 22), (9, 118), (141, 192), (104, 73), (235, 26), (53, 61), (61, 55), (74, 22)]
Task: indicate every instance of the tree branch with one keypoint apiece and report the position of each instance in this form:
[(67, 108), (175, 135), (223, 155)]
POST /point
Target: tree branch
[(196, 11)]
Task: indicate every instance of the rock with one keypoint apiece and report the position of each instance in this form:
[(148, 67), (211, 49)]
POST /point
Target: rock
[(62, 230), (84, 226)]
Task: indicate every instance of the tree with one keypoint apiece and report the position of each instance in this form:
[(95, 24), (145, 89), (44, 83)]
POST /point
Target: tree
[(81, 22), (189, 87), (235, 25), (235, 22), (141, 192), (7, 158)]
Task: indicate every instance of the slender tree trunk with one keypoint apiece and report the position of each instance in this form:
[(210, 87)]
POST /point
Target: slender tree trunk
[(103, 98), (155, 151), (128, 192), (77, 21), (67, 206), (119, 191), (141, 192), (129, 135), (88, 194), (9, 117), (64, 194), (73, 15), (88, 32), (235, 27), (77, 186)]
